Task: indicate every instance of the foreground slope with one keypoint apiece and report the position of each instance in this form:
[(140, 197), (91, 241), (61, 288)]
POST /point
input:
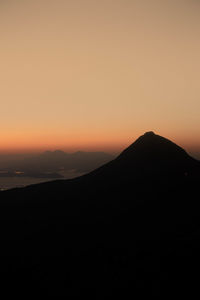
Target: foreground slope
[(131, 227)]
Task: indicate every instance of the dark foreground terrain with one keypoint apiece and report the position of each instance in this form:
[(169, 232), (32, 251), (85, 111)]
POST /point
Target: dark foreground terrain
[(128, 229)]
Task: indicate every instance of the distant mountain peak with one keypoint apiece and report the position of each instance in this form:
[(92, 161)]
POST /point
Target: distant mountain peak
[(59, 152)]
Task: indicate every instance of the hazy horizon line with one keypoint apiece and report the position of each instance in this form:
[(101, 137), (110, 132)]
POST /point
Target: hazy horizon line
[(193, 151)]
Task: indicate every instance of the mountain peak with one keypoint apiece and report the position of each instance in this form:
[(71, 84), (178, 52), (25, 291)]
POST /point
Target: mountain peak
[(151, 155), (149, 133), (152, 147)]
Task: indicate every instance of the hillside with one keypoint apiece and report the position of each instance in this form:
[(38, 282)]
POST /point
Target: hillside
[(130, 227)]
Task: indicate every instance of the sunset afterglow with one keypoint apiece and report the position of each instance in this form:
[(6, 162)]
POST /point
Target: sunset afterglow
[(94, 75)]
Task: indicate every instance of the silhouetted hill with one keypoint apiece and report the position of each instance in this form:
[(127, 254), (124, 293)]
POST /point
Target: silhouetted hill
[(153, 148), (130, 228), (151, 156)]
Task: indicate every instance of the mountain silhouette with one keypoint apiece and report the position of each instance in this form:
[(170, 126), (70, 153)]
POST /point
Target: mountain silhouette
[(130, 228), (153, 147), (151, 155)]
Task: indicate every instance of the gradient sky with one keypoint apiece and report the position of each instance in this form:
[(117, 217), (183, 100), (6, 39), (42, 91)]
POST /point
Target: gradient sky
[(96, 74)]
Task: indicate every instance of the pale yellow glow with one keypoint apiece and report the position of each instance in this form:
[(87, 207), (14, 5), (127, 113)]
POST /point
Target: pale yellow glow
[(95, 74)]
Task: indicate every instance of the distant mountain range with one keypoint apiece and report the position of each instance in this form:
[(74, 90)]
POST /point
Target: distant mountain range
[(128, 229), (53, 164)]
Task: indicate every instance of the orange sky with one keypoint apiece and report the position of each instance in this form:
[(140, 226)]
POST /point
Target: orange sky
[(94, 75)]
